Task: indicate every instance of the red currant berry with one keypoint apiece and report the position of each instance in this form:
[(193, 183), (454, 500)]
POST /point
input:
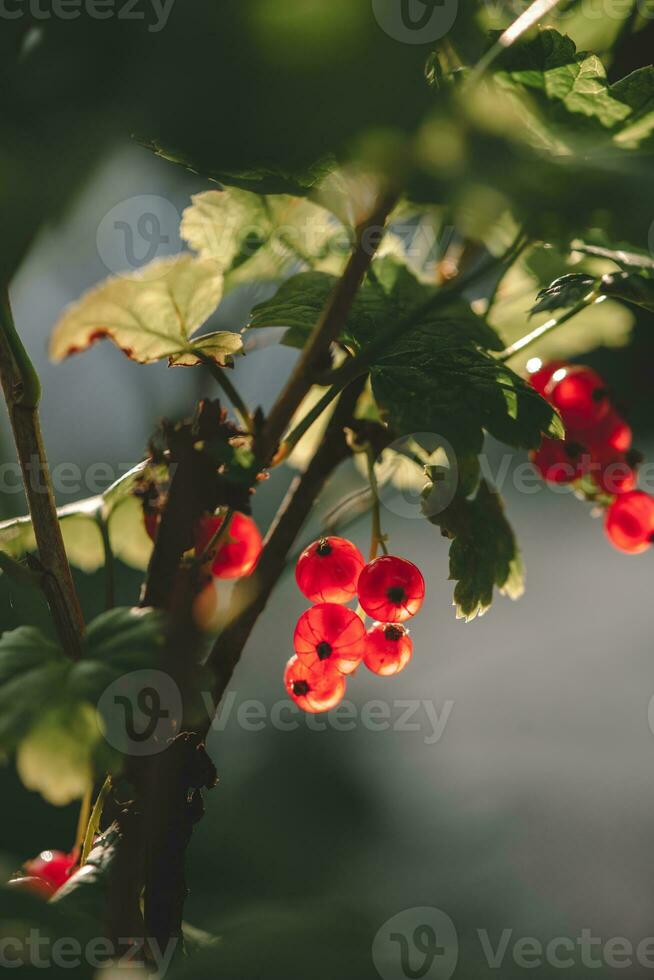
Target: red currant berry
[(611, 433), (330, 634), (613, 474), (539, 375), (55, 867), (391, 589), (239, 553), (328, 570), (389, 648), (580, 396), (630, 522), (559, 460), (314, 690), (35, 886), (151, 521)]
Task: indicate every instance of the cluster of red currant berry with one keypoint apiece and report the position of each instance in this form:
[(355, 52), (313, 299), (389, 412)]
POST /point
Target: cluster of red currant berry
[(596, 452), (45, 874), (330, 638)]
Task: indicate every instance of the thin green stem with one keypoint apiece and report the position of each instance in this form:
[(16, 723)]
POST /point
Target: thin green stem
[(217, 538), (377, 538), (109, 568), (312, 416), (94, 821), (547, 328), (220, 376), (520, 246)]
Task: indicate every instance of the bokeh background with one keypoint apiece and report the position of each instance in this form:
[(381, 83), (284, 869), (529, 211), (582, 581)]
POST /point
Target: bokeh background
[(533, 809)]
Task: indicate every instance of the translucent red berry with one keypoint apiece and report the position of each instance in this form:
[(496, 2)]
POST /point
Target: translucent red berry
[(613, 474), (580, 396), (320, 689), (328, 570), (630, 522), (389, 649), (238, 555), (328, 634), (391, 589), (611, 433), (54, 867), (539, 375), (560, 460), (35, 886)]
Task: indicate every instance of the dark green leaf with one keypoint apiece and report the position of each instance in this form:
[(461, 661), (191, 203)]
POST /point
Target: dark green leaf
[(564, 292), (484, 554), (425, 385)]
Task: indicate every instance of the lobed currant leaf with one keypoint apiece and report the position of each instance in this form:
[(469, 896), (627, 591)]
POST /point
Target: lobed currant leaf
[(150, 314), (484, 553)]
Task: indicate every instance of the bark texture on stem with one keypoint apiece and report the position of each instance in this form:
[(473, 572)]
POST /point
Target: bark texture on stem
[(251, 594), (57, 580), (327, 329)]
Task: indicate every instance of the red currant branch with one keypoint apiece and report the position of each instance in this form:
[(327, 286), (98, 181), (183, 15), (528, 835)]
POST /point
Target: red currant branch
[(21, 389), (251, 594), (360, 365), (594, 296), (326, 330)]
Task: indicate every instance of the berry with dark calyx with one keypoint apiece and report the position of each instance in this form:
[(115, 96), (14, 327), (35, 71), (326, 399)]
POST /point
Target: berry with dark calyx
[(389, 648), (238, 554), (54, 867), (579, 395), (629, 522), (332, 635), (539, 375), (320, 689), (328, 570), (560, 460), (35, 886), (391, 589)]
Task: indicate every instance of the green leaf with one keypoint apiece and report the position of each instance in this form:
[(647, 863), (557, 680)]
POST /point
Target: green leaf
[(296, 305), (256, 179), (253, 237), (85, 893), (564, 292), (483, 555), (150, 314), (129, 540), (125, 639), (630, 287), (572, 90), (56, 758), (456, 392)]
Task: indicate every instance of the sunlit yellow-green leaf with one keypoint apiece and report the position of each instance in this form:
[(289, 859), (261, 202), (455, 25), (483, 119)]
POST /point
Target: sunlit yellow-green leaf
[(150, 314)]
